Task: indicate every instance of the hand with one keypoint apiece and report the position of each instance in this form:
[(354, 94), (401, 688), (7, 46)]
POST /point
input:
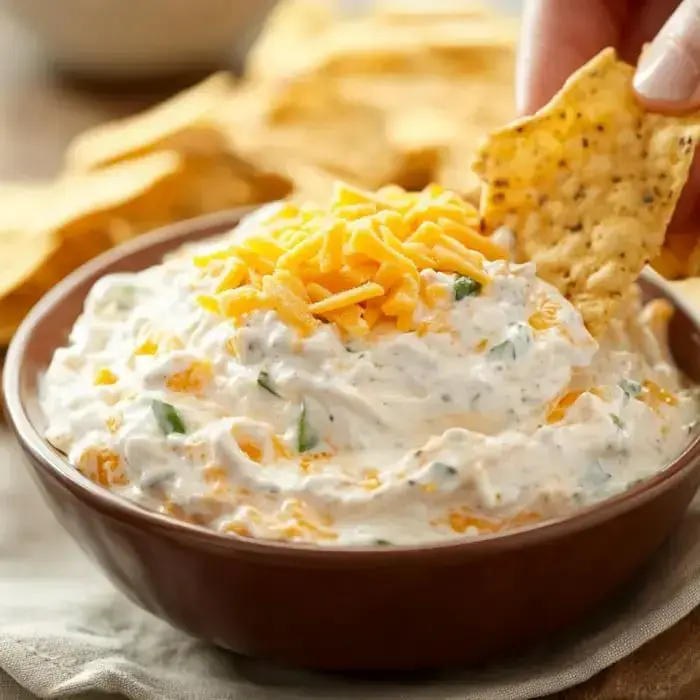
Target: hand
[(559, 36)]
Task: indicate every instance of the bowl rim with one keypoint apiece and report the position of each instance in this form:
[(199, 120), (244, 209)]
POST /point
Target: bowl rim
[(111, 504)]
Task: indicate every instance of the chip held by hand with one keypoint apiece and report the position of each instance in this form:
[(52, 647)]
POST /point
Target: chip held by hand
[(588, 185)]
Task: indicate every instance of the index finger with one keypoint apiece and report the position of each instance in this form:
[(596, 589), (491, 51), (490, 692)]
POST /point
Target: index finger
[(558, 37)]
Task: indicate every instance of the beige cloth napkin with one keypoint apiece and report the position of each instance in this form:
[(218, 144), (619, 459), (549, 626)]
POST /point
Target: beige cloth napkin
[(64, 632)]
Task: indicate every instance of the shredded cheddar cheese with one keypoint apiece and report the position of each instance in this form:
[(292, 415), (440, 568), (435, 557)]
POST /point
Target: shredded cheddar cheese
[(371, 480), (354, 263), (148, 347), (192, 379), (102, 466), (113, 423), (654, 395), (214, 474), (238, 529), (105, 376), (546, 317), (560, 407), (461, 521), (251, 449)]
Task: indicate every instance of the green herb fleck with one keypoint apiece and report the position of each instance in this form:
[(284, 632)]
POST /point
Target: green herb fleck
[(618, 422), (630, 387), (265, 382), (380, 542), (167, 417), (503, 350), (307, 439), (465, 287), (518, 340)]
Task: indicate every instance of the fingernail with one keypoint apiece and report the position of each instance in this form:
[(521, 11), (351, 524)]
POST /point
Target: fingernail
[(667, 72)]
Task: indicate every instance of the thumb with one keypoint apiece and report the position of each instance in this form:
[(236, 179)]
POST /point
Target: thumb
[(668, 76)]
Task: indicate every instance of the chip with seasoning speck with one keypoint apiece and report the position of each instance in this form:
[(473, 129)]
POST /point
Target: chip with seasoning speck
[(588, 185)]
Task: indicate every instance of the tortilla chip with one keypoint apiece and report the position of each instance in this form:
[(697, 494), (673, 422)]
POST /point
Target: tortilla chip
[(23, 251), (366, 97), (8, 328), (420, 11), (309, 121), (452, 175), (421, 135), (588, 185), (289, 38), (366, 46), (21, 256), (14, 307), (199, 185), (77, 198), (20, 202), (211, 184), (182, 123), (311, 184)]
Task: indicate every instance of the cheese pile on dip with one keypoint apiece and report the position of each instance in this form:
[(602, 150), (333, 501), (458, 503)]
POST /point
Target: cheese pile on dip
[(368, 373)]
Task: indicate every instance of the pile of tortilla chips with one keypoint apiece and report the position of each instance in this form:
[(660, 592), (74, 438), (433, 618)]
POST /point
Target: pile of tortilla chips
[(403, 93)]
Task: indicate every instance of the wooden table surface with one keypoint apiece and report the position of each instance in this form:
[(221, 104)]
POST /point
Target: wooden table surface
[(39, 114)]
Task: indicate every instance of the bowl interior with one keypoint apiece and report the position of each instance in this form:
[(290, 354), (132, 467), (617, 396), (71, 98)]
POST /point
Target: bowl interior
[(48, 325)]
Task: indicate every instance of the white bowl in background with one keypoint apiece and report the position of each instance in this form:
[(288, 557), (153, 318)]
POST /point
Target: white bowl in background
[(140, 38)]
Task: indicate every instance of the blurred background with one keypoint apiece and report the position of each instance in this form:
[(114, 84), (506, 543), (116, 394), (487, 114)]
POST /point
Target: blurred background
[(119, 117)]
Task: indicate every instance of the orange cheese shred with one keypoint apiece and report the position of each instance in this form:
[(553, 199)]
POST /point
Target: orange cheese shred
[(355, 262)]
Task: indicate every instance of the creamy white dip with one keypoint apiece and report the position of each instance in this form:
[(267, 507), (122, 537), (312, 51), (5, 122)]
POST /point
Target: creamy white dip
[(397, 438)]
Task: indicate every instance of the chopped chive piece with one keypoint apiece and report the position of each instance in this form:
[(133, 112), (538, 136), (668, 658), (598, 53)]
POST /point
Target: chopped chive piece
[(518, 340), (266, 383), (616, 419), (167, 417), (465, 287), (631, 388), (503, 350), (382, 542), (306, 437)]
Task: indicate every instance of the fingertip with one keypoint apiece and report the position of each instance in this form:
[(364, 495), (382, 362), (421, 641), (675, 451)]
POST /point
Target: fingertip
[(558, 37), (523, 74), (668, 76), (670, 107)]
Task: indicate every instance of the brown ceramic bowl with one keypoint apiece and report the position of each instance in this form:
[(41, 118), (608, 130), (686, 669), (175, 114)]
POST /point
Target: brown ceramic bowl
[(362, 609)]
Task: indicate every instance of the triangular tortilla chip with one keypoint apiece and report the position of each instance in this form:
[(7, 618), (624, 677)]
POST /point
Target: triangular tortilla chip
[(289, 38), (21, 255), (78, 197), (13, 309), (181, 123), (588, 185), (309, 121), (22, 251)]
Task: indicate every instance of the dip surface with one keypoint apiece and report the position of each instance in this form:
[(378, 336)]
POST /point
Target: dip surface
[(490, 406)]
